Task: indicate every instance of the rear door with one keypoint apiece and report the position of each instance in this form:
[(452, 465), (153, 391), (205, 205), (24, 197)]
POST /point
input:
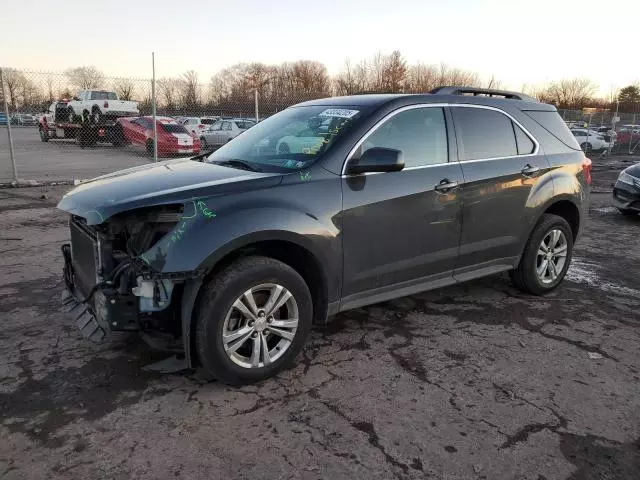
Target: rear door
[(401, 229), (501, 164)]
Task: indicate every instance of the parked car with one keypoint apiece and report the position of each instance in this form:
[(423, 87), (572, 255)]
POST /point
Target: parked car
[(103, 105), (626, 191), (223, 131), (3, 119), (238, 254), (628, 134), (173, 138), (608, 133), (24, 120), (198, 125), (589, 140)]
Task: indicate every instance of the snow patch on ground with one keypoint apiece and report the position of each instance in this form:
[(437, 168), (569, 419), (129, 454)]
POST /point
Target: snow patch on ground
[(585, 272)]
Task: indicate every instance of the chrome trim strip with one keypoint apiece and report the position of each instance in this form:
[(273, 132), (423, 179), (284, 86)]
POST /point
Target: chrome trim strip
[(436, 105)]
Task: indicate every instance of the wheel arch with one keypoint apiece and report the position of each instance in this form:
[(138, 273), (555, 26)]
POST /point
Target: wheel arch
[(285, 247)]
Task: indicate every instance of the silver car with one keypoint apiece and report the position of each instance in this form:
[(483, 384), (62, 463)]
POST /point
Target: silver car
[(224, 130)]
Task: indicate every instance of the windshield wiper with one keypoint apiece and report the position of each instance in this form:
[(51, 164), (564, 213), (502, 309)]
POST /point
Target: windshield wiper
[(241, 164)]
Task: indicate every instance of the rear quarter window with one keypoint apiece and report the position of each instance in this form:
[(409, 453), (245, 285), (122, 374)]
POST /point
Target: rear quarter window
[(553, 123), (173, 128)]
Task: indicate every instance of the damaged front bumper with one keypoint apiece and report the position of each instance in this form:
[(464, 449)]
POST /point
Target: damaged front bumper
[(101, 311)]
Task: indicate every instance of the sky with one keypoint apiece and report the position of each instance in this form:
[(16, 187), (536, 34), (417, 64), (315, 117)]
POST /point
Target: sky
[(518, 42)]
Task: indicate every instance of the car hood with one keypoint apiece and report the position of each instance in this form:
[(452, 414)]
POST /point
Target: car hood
[(171, 181)]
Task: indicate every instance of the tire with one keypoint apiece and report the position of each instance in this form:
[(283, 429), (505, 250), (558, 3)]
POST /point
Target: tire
[(203, 143), (628, 213), (525, 276), (71, 114), (216, 312), (149, 147), (586, 147), (96, 115), (44, 136)]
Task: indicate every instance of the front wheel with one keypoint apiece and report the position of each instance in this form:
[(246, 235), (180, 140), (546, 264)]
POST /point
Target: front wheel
[(252, 320), (546, 257)]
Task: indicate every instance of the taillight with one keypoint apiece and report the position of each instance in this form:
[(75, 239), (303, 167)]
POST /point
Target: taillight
[(106, 104), (586, 170)]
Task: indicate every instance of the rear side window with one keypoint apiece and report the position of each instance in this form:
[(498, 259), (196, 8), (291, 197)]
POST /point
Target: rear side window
[(483, 133), (208, 121), (553, 123), (524, 143)]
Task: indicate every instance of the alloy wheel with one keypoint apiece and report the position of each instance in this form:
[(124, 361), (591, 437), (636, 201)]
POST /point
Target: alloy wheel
[(551, 256), (260, 326)]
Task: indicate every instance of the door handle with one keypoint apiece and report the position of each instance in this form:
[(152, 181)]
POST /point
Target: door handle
[(445, 186), (529, 170)]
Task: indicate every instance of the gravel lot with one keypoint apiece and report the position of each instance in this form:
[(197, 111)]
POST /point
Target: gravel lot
[(476, 381)]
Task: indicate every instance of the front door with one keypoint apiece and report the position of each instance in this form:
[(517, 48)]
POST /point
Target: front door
[(501, 165), (401, 229)]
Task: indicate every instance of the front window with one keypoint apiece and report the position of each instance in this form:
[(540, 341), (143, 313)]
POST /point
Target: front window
[(292, 139)]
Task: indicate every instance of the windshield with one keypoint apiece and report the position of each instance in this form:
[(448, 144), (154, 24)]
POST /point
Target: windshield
[(291, 139)]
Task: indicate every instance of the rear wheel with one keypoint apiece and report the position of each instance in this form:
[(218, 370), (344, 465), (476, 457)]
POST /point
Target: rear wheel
[(149, 147), (252, 320), (586, 147), (546, 256)]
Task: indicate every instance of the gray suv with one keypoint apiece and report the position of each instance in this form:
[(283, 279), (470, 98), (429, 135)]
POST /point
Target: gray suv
[(233, 255)]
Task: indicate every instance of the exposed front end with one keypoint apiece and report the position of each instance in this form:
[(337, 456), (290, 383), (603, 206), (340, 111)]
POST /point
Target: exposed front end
[(109, 286)]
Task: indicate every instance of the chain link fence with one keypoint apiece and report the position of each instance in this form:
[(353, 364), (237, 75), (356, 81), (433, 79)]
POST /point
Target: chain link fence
[(27, 96)]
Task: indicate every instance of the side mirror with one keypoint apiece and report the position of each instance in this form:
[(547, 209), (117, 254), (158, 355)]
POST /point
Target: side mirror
[(377, 160)]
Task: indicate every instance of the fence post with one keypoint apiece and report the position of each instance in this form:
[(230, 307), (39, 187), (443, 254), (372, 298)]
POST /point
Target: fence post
[(256, 101), (6, 112), (153, 107)]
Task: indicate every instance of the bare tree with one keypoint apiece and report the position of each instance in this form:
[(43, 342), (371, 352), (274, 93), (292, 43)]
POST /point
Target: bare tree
[(85, 78), (13, 80), (345, 82), (569, 93), (421, 78), (190, 91), (394, 72), (124, 87), (168, 92)]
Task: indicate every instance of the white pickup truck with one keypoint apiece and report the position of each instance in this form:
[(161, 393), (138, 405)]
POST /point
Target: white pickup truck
[(102, 105)]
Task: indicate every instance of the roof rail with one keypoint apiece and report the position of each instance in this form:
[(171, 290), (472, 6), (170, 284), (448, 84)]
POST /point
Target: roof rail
[(482, 91)]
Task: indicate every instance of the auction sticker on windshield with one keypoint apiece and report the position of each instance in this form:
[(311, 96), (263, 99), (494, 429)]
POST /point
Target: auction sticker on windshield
[(338, 113)]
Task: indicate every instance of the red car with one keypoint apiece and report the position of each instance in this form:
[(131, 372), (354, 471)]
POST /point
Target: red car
[(173, 138)]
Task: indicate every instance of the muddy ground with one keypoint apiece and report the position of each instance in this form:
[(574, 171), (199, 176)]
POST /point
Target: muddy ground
[(476, 381)]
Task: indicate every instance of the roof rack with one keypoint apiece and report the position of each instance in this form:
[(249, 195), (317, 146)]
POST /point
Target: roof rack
[(489, 92)]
